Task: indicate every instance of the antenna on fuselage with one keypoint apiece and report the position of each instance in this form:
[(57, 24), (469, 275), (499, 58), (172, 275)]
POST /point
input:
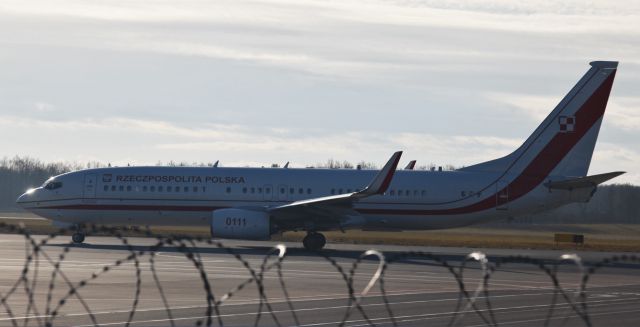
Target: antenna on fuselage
[(216, 163), (286, 165)]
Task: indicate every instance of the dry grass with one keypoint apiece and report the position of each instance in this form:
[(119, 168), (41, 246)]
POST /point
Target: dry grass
[(598, 237)]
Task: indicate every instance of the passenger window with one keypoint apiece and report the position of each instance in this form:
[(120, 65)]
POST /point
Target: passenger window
[(260, 190), (282, 190), (121, 188), (399, 192), (339, 191), (113, 187), (228, 189), (333, 191), (186, 188), (308, 191), (244, 190), (106, 187), (144, 188), (392, 192), (153, 188), (253, 190), (128, 188), (169, 188), (195, 189), (349, 190), (424, 193), (159, 188), (292, 190), (177, 189), (301, 191)]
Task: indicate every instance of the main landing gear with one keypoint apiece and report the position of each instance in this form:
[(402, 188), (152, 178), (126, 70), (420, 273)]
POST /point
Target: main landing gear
[(314, 241), (78, 235)]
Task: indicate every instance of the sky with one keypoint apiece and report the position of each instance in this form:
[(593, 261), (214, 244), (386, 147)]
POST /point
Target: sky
[(260, 82)]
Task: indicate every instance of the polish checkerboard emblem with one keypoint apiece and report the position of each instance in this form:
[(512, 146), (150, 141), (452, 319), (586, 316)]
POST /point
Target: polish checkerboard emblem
[(567, 124)]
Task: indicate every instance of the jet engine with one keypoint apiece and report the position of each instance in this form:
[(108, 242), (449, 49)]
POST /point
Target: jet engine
[(240, 224)]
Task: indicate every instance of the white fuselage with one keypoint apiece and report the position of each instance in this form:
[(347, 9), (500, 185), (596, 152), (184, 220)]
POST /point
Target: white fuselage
[(188, 196)]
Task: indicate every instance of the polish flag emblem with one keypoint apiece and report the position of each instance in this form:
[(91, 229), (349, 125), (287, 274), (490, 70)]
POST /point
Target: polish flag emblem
[(567, 124), (106, 178)]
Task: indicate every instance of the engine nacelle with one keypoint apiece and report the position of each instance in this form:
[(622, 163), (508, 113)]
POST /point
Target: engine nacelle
[(240, 224)]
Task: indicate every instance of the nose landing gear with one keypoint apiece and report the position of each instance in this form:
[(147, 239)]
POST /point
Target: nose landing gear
[(314, 241)]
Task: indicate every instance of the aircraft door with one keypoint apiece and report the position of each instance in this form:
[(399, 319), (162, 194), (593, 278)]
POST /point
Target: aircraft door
[(89, 189), (502, 195)]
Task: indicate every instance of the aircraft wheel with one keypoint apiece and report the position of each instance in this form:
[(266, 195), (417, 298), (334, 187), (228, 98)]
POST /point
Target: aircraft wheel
[(77, 238), (314, 241)]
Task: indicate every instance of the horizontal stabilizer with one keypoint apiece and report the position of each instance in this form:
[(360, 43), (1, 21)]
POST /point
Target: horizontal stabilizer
[(582, 182)]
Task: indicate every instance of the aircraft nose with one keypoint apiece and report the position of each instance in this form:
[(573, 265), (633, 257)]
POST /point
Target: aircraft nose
[(21, 199), (24, 198)]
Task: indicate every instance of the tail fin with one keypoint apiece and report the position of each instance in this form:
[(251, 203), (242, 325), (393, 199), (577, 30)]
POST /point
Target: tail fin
[(563, 144)]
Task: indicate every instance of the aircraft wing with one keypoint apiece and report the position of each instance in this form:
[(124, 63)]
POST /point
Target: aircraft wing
[(587, 181), (337, 208)]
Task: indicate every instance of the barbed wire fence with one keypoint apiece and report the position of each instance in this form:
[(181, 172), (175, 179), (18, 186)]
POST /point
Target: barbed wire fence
[(468, 301)]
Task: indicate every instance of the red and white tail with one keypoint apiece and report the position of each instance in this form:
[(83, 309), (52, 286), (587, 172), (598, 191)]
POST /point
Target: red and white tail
[(563, 144)]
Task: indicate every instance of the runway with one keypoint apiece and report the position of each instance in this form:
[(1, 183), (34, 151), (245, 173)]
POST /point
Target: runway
[(418, 291)]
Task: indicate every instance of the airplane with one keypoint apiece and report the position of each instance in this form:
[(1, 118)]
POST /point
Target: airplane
[(547, 171)]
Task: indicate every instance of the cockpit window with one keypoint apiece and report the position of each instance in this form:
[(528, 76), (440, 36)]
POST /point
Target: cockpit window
[(53, 185)]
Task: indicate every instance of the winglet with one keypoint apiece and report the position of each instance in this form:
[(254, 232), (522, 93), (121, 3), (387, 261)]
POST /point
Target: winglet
[(410, 165), (381, 182)]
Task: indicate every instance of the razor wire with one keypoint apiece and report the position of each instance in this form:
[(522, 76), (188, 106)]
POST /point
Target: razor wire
[(564, 302)]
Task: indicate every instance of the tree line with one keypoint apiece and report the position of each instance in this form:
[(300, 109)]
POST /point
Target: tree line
[(617, 203)]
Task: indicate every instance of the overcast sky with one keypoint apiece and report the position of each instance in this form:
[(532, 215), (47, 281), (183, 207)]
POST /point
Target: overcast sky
[(254, 83)]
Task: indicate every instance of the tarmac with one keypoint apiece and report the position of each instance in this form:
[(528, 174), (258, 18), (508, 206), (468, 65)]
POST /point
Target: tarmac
[(418, 291)]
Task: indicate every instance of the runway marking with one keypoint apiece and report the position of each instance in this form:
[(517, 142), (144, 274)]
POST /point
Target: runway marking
[(255, 301), (227, 271), (554, 318), (280, 311), (503, 323), (230, 274), (342, 307), (21, 218), (427, 316), (161, 265)]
